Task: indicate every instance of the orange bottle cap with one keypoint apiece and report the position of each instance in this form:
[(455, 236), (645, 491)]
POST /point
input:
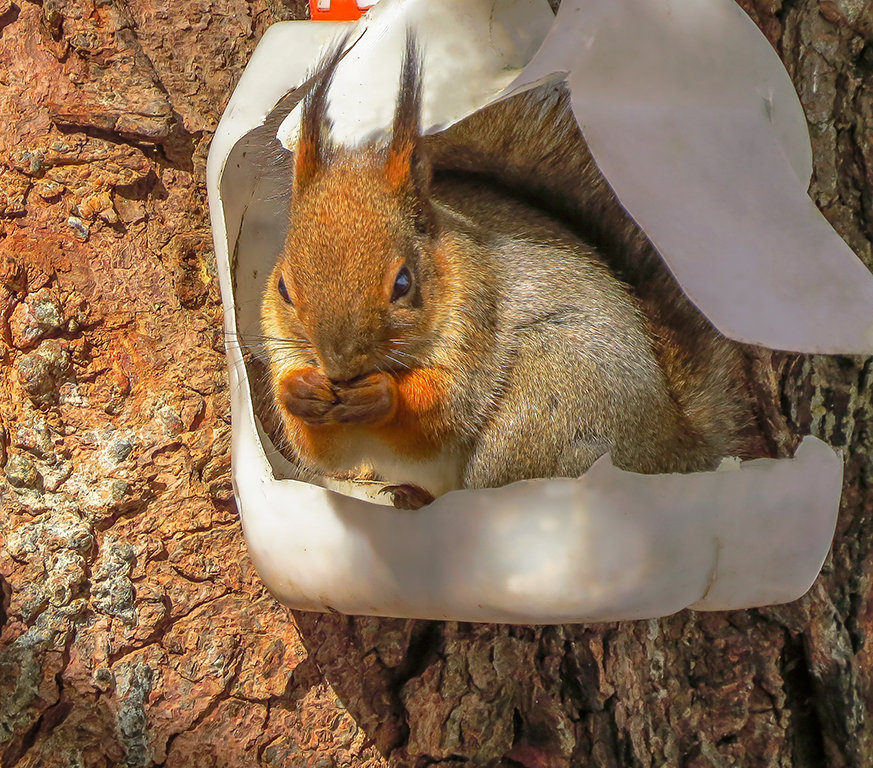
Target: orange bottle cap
[(339, 10)]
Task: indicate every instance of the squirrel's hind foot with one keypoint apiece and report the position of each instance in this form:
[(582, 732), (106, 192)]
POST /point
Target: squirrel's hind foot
[(408, 496)]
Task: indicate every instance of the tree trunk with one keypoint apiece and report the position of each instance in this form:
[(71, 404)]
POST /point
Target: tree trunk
[(134, 630)]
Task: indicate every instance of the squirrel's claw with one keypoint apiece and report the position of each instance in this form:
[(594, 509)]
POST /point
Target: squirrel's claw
[(408, 496)]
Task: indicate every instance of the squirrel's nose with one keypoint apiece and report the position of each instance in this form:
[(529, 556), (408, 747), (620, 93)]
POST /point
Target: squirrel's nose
[(346, 360)]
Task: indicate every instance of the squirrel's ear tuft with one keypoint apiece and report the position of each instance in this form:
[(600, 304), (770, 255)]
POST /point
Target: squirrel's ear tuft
[(405, 168), (306, 163), (313, 147)]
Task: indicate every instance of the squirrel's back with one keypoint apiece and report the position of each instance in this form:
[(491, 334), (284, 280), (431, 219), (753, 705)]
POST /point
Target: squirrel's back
[(601, 365), (531, 146)]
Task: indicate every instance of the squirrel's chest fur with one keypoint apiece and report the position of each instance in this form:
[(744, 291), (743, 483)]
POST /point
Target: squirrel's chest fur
[(383, 454), (437, 472), (418, 444)]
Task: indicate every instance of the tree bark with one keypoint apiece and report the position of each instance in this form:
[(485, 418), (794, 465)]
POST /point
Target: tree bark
[(134, 630)]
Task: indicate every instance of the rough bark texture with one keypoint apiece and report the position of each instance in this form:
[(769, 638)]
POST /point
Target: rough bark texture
[(134, 631)]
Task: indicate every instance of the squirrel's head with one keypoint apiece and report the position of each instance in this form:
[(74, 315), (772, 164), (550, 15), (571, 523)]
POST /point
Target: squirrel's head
[(356, 280)]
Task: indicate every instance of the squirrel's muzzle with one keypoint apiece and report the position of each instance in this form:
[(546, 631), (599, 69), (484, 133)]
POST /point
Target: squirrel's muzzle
[(346, 360)]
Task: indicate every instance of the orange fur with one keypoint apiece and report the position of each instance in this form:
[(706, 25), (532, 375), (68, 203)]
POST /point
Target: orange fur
[(319, 444), (419, 426), (306, 163), (415, 428), (398, 169)]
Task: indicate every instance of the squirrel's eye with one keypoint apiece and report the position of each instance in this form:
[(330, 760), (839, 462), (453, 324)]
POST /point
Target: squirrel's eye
[(402, 284), (283, 291)]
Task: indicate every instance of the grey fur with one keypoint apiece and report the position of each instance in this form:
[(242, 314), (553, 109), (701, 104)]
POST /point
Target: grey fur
[(569, 369)]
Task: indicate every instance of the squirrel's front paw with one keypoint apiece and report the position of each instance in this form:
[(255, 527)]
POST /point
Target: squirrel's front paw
[(408, 496), (309, 395), (367, 399), (314, 399)]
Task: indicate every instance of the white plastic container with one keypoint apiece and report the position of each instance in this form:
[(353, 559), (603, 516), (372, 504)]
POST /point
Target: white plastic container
[(685, 97)]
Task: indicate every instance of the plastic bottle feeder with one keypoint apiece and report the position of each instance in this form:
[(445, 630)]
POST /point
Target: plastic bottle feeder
[(695, 123)]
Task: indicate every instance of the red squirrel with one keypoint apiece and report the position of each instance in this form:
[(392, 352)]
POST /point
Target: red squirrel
[(431, 324)]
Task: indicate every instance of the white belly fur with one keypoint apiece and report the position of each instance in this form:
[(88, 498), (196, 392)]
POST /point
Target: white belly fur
[(439, 474)]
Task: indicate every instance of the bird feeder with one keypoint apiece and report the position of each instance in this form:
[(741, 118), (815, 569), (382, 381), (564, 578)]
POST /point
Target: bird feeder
[(691, 117)]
